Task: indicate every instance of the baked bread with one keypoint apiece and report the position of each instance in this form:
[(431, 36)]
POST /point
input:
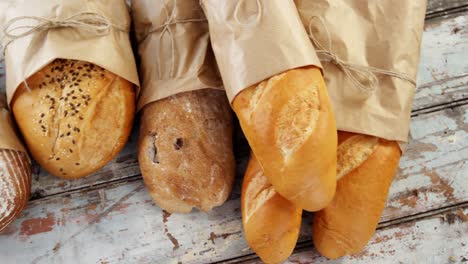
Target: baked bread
[(15, 184), (366, 166), (74, 116), (185, 150), (290, 127), (271, 223), (15, 169)]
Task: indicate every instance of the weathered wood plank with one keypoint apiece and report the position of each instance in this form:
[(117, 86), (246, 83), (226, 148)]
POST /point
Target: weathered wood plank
[(443, 77), (433, 172), (441, 7), (121, 223), (441, 238), (443, 73)]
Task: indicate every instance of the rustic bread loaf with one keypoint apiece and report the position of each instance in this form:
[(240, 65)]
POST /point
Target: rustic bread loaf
[(74, 116), (15, 184), (367, 165), (271, 223), (185, 150), (289, 124)]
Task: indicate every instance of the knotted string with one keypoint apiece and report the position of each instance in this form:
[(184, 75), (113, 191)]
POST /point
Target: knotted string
[(92, 22), (166, 28), (257, 18), (355, 73)]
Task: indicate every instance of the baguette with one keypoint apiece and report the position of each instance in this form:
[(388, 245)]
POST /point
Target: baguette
[(271, 223), (289, 124), (185, 150), (366, 166), (74, 116)]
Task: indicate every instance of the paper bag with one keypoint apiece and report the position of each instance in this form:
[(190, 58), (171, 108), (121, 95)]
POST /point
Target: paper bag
[(174, 48), (8, 138), (384, 35), (44, 30), (256, 39)]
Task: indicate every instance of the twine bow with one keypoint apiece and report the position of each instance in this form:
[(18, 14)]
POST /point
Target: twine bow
[(355, 73), (89, 21), (257, 17), (166, 28)]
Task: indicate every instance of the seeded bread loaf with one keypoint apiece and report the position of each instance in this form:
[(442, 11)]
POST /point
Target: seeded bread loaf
[(289, 124), (366, 166), (185, 150), (271, 223), (74, 116)]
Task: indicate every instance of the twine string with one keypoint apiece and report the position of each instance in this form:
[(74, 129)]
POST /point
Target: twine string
[(363, 77), (166, 28), (257, 18), (89, 21)]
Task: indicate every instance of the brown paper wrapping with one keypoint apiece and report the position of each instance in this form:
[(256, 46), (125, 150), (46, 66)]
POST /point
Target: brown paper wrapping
[(256, 39), (8, 138), (384, 34), (27, 55), (174, 47)]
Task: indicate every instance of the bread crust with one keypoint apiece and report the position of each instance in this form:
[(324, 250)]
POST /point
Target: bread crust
[(75, 117), (271, 223), (289, 123), (185, 150), (15, 184), (345, 226)]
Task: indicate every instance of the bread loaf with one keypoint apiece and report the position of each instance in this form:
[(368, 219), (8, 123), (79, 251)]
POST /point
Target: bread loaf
[(271, 223), (185, 150), (366, 165), (290, 127), (74, 116), (15, 184)]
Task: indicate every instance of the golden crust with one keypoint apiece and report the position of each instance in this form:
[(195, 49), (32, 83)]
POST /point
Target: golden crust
[(289, 124), (345, 226), (75, 118), (353, 151), (271, 223)]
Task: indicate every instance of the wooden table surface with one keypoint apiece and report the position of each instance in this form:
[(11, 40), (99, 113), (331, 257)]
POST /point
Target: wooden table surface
[(110, 218)]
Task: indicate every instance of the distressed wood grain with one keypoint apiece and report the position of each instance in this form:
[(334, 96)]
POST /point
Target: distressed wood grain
[(120, 223), (443, 74), (440, 238), (441, 7), (443, 77), (434, 170)]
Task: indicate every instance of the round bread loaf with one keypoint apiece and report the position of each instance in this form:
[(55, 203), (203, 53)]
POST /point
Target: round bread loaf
[(271, 223), (185, 150), (74, 116), (15, 184), (366, 165)]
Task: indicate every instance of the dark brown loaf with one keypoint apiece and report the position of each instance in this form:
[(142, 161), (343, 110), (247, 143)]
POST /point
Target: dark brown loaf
[(185, 150), (75, 118), (15, 184), (271, 223), (366, 166)]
